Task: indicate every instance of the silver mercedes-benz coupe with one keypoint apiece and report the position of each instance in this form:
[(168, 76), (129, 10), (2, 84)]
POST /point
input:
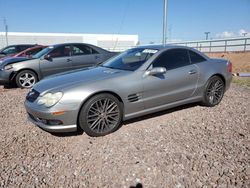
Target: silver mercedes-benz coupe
[(137, 82)]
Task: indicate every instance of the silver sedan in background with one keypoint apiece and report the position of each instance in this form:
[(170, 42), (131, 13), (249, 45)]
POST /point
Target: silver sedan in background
[(137, 82), (52, 60)]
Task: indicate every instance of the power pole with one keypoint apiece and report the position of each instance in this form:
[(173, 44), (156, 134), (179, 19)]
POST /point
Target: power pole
[(207, 33), (244, 34), (165, 7), (6, 30)]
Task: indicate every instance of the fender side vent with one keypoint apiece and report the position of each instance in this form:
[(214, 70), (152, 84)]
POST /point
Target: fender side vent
[(133, 97)]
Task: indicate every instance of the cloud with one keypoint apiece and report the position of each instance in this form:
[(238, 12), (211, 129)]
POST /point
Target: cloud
[(229, 34), (243, 32), (225, 34), (175, 40)]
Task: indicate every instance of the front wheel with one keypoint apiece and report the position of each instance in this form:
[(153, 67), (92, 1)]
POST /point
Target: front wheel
[(26, 79), (101, 115), (214, 91)]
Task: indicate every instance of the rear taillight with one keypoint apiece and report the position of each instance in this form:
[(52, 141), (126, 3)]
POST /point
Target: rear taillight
[(229, 67)]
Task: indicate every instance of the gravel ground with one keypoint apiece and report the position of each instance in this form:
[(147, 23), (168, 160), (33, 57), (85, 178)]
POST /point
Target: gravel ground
[(191, 146)]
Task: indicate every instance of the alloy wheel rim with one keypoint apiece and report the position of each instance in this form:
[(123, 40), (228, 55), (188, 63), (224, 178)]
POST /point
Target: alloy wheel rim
[(215, 91), (103, 115), (27, 80)]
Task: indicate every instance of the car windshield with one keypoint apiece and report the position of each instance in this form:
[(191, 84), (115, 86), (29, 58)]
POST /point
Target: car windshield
[(131, 59), (9, 50), (42, 52)]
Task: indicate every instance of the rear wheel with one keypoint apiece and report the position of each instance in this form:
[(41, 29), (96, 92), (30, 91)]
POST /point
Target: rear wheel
[(101, 115), (26, 79), (214, 91)]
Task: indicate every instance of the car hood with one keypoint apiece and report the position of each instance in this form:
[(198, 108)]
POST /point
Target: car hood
[(11, 60), (75, 78)]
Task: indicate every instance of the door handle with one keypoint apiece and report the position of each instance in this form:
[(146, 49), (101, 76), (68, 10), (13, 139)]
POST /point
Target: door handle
[(97, 57), (69, 60), (192, 72)]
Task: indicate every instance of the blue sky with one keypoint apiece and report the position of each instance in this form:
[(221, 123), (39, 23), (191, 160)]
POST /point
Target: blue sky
[(187, 19)]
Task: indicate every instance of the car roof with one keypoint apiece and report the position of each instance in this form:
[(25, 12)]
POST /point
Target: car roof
[(74, 43), (35, 47), (22, 45), (161, 46)]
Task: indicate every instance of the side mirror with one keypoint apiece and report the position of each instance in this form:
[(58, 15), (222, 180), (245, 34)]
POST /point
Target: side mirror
[(48, 57), (156, 70)]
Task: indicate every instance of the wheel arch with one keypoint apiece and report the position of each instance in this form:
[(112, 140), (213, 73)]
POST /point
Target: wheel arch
[(220, 76), (97, 93), (14, 74)]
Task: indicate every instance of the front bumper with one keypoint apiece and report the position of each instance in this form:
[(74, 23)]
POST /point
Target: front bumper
[(229, 79), (36, 116), (4, 77)]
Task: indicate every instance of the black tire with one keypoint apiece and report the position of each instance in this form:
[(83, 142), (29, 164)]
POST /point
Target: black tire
[(101, 115), (26, 79), (214, 91)]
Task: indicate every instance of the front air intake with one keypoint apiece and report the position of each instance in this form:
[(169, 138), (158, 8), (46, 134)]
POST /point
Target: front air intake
[(32, 95)]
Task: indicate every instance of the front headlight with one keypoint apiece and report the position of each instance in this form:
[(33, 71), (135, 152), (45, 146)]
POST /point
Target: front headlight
[(50, 99), (8, 67)]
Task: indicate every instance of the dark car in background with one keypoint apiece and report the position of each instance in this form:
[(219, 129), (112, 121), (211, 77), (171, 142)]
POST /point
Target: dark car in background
[(30, 51), (22, 56), (51, 60), (14, 49)]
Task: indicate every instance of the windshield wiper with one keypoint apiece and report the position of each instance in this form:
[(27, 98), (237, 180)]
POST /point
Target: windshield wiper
[(116, 68)]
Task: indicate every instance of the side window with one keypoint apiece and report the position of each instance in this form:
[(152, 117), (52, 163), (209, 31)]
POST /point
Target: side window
[(34, 51), (61, 51), (172, 59), (10, 50), (82, 50), (195, 58), (22, 48)]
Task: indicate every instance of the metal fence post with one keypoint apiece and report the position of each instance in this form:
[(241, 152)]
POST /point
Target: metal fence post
[(225, 46), (245, 45)]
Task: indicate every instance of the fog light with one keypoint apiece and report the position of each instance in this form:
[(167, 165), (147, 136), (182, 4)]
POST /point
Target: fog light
[(54, 122), (50, 121)]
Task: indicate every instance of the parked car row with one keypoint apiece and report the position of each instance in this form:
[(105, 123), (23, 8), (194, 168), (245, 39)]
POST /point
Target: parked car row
[(14, 49), (33, 64), (82, 86)]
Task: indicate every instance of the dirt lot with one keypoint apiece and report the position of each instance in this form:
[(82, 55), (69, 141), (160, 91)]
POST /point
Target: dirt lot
[(191, 146), (240, 60)]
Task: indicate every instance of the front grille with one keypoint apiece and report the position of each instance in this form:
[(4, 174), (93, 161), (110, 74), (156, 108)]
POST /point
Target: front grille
[(32, 95)]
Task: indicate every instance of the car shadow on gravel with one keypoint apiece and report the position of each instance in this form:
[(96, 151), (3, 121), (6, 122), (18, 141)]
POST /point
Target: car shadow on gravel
[(160, 113), (70, 134), (134, 120), (8, 87)]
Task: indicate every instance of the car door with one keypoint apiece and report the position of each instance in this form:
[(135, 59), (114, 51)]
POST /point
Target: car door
[(84, 56), (56, 61), (178, 83)]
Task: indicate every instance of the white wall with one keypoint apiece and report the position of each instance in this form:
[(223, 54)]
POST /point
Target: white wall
[(113, 42)]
